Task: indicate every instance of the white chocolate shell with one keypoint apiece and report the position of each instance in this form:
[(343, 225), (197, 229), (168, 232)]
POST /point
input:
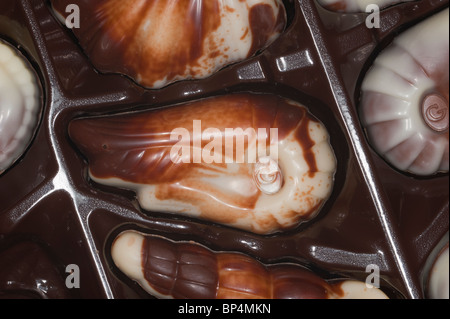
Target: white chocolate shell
[(357, 5), (239, 186), (405, 99), (157, 42), (19, 105)]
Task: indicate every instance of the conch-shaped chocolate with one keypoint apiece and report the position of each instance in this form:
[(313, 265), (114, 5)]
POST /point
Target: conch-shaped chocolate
[(20, 105), (157, 42), (405, 106), (358, 5), (181, 270), (253, 161)]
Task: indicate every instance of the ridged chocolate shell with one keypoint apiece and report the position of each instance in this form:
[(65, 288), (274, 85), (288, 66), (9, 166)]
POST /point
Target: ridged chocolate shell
[(157, 42), (20, 105), (405, 95)]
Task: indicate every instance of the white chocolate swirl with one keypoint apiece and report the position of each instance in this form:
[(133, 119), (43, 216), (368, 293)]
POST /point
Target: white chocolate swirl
[(268, 176), (19, 105), (405, 94)]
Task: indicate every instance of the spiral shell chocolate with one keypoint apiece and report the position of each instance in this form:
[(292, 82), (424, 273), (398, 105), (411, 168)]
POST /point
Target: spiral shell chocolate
[(268, 175), (404, 105), (253, 161), (183, 270), (19, 105), (158, 42)]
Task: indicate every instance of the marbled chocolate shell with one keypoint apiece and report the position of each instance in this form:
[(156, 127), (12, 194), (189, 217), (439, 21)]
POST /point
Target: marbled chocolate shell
[(357, 5), (404, 105), (182, 270), (157, 42), (253, 161), (20, 104)]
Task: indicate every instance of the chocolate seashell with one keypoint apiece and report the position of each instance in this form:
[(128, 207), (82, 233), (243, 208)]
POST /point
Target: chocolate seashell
[(256, 162), (20, 105), (157, 42), (183, 270), (404, 105)]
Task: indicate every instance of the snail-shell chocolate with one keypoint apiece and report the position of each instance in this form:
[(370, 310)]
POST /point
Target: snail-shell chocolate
[(357, 5), (404, 105), (182, 270), (240, 188), (19, 105), (157, 42)]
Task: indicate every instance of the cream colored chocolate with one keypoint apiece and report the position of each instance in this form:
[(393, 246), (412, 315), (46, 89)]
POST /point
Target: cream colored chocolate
[(126, 253), (19, 105), (168, 270), (353, 289), (405, 99), (260, 189), (358, 5), (438, 285), (157, 42)]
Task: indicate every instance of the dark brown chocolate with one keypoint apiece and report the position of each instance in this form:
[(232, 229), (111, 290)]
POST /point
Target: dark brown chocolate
[(29, 271), (190, 271), (376, 215)]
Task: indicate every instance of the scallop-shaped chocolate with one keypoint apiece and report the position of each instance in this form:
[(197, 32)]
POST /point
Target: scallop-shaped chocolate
[(157, 42), (405, 99), (357, 5), (19, 104), (252, 161)]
